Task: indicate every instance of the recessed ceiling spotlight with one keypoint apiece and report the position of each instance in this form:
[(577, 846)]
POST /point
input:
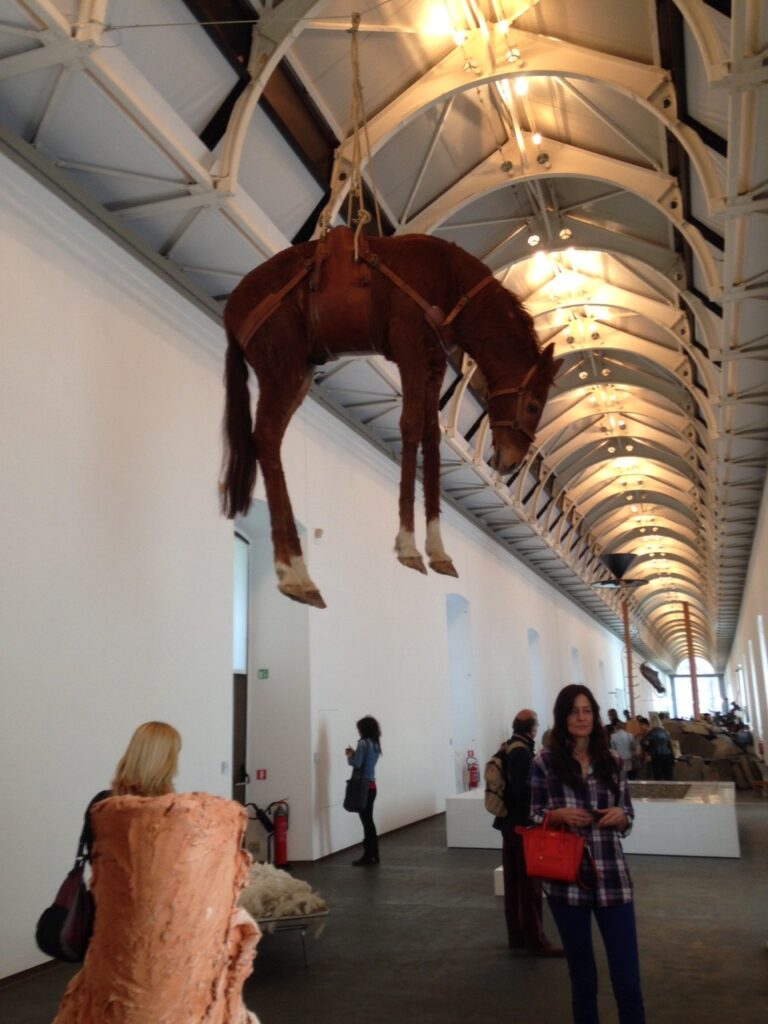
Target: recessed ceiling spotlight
[(583, 375), (630, 447), (633, 508), (570, 339), (536, 140), (622, 425), (507, 167), (533, 239), (642, 529), (605, 372), (564, 233), (611, 449)]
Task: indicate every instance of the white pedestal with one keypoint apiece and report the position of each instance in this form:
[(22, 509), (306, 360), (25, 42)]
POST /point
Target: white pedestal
[(700, 823), (467, 822)]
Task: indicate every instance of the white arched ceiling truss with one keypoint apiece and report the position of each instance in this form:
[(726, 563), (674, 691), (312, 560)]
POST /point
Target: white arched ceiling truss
[(623, 136)]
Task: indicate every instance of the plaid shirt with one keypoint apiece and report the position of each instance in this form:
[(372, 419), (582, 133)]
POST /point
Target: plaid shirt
[(613, 885)]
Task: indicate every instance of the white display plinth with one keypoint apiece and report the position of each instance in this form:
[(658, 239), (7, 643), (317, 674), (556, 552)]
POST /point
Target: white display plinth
[(467, 823), (699, 823)]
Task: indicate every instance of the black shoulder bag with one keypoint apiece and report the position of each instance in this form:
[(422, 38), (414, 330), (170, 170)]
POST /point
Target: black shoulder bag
[(64, 929)]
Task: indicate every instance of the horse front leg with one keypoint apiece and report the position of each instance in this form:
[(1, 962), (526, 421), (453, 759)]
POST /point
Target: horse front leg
[(271, 422), (411, 420), (439, 560)]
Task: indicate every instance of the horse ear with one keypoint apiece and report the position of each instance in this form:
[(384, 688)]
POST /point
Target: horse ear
[(548, 365)]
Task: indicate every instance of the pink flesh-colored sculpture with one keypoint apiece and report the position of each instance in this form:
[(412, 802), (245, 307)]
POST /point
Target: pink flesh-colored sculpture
[(170, 945)]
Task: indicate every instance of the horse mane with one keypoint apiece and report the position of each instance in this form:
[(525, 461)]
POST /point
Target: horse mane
[(476, 269)]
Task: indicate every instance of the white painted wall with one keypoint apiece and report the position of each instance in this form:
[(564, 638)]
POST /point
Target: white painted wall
[(117, 579), (116, 576), (750, 648)]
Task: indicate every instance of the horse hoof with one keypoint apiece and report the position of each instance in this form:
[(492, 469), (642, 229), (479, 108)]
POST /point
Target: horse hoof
[(314, 598), (413, 562), (298, 593), (445, 567)]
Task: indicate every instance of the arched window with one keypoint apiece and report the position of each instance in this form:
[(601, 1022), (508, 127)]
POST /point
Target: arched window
[(708, 681)]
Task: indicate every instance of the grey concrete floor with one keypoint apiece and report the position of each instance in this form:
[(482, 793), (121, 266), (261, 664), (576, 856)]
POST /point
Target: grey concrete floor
[(421, 939)]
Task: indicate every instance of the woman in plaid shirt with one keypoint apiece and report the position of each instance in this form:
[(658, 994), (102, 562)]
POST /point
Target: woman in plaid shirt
[(581, 783)]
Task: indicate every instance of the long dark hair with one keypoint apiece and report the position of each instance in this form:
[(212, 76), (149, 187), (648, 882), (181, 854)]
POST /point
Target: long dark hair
[(561, 742), (369, 729)]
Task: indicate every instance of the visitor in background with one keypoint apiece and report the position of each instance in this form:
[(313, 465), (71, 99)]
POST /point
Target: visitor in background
[(522, 894), (583, 787), (365, 756), (658, 746), (614, 722), (623, 743)]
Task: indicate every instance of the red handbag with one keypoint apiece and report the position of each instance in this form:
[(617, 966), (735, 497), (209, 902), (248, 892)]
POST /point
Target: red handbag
[(552, 853)]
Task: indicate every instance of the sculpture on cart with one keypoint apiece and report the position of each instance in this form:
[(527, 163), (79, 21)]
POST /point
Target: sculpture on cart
[(410, 298)]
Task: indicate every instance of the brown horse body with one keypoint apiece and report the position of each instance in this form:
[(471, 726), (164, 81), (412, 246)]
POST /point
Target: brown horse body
[(408, 298)]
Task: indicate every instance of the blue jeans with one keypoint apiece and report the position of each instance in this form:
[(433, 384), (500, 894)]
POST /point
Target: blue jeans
[(617, 927)]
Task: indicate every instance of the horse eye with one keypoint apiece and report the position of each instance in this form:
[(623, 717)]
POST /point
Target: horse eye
[(532, 408)]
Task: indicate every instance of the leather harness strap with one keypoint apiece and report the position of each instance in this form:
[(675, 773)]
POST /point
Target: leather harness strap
[(520, 391), (268, 305)]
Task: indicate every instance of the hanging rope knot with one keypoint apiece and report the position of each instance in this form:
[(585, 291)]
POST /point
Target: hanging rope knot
[(355, 136)]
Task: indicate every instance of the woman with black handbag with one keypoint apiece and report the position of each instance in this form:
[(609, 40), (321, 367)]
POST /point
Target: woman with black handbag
[(581, 784), (364, 758)]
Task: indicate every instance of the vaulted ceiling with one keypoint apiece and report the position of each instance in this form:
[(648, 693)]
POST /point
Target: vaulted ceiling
[(604, 157)]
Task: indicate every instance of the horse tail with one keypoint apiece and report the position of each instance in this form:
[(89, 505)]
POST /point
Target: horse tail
[(240, 456)]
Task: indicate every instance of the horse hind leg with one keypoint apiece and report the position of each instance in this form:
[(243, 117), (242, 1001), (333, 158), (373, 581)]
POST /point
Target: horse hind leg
[(410, 429), (271, 422), (439, 560)]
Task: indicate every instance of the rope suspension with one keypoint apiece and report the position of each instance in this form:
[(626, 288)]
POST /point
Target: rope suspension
[(355, 137)]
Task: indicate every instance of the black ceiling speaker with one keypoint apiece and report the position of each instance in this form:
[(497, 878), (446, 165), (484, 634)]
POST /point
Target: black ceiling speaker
[(617, 564), (653, 677)]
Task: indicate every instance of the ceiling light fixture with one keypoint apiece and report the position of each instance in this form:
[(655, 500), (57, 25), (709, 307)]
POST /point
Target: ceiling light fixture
[(536, 138), (583, 375), (611, 449), (533, 239), (564, 232)]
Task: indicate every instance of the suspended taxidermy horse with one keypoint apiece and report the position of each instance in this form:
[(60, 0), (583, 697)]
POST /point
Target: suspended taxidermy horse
[(410, 298)]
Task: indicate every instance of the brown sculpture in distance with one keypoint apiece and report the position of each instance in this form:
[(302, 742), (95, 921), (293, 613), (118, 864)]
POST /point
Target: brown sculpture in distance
[(410, 298), (169, 943)]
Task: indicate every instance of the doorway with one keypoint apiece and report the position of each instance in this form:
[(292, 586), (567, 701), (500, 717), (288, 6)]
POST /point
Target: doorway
[(240, 776)]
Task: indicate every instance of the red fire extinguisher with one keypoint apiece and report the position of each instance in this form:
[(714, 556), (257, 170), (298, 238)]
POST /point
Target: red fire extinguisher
[(473, 773), (280, 838)]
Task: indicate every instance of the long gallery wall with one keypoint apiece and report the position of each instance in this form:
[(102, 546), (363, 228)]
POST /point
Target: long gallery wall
[(117, 581)]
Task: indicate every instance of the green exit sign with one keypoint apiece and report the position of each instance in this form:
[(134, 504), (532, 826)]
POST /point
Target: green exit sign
[(263, 673)]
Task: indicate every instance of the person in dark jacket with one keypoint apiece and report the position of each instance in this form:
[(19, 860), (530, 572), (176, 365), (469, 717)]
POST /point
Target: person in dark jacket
[(522, 895)]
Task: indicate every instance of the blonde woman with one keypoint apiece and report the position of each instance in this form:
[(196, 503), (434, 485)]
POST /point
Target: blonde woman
[(147, 768)]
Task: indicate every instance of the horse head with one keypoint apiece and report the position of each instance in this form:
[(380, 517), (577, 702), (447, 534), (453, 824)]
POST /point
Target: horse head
[(515, 408)]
